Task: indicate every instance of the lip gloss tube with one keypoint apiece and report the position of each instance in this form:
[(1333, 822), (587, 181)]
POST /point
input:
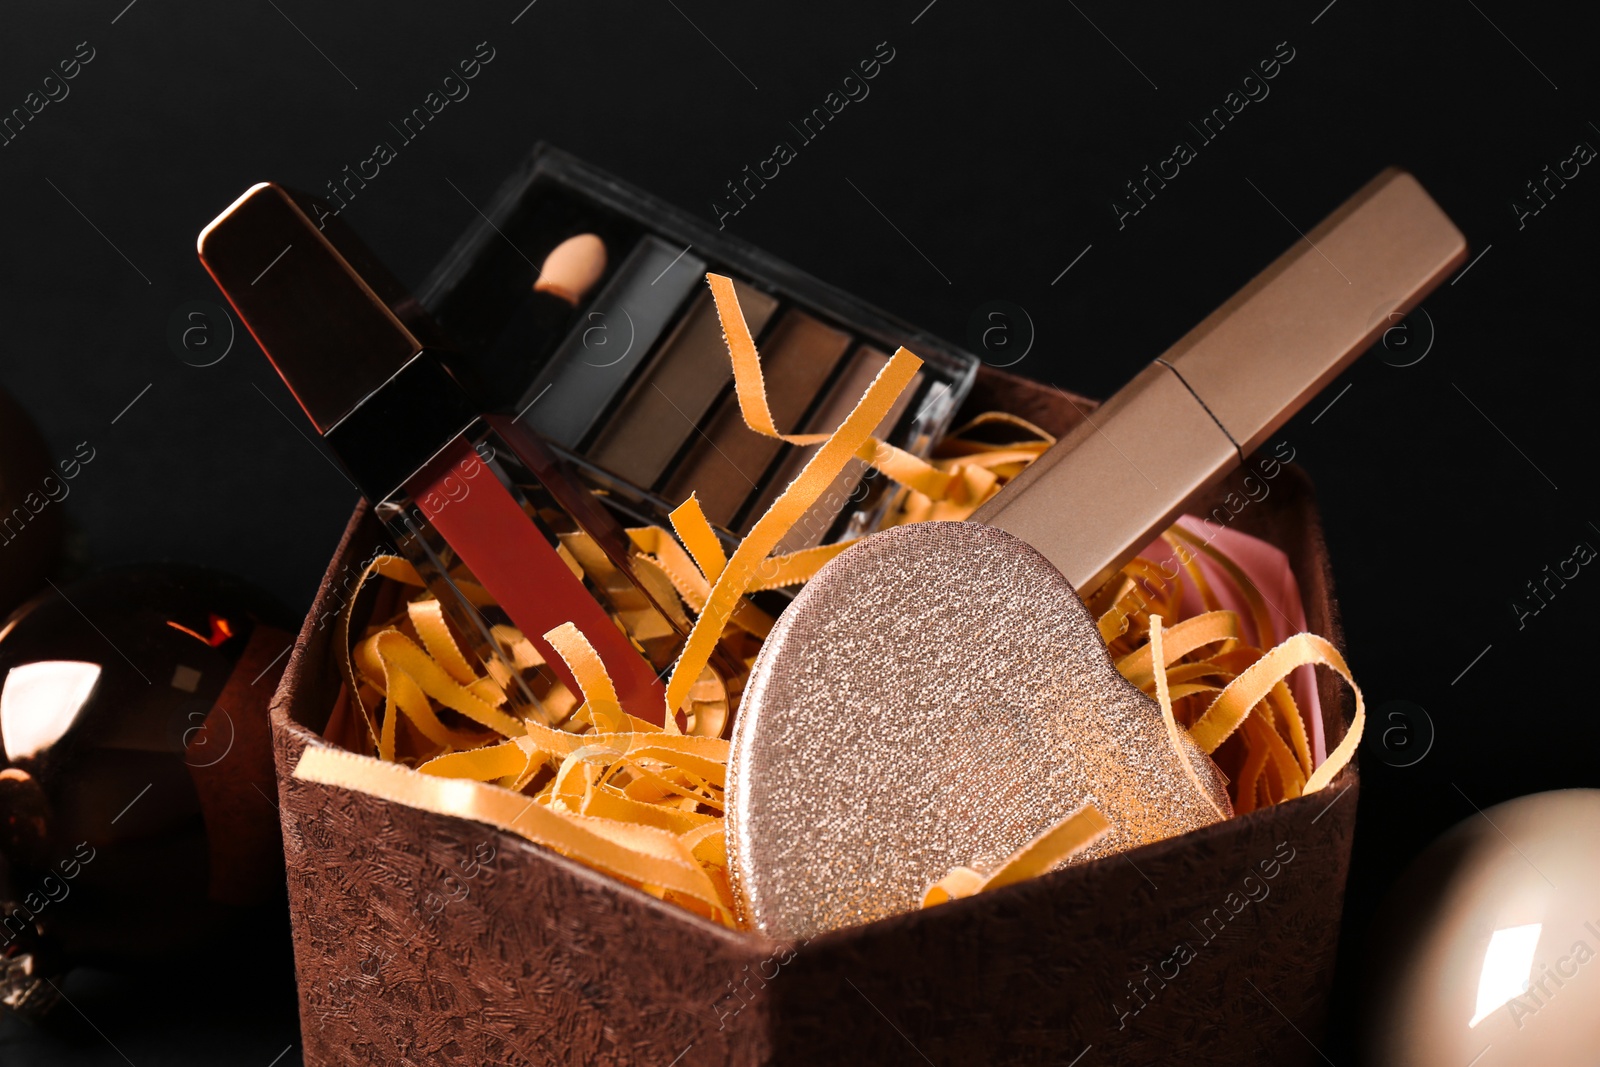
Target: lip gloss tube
[(1125, 473), (453, 485)]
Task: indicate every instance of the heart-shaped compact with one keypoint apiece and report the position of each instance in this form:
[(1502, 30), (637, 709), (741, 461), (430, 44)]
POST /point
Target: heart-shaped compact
[(1008, 716)]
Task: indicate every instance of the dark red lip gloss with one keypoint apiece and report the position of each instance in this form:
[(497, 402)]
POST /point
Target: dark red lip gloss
[(455, 487)]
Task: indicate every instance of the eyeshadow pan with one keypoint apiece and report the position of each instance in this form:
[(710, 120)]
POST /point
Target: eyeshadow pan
[(724, 468), (610, 341), (672, 396), (814, 525)]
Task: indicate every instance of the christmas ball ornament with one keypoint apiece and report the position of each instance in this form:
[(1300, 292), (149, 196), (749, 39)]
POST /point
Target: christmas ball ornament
[(137, 795), (1487, 950)]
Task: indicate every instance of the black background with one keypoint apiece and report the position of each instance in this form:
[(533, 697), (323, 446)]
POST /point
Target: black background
[(995, 141)]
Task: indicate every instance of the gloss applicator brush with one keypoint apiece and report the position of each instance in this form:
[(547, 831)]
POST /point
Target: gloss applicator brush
[(450, 482)]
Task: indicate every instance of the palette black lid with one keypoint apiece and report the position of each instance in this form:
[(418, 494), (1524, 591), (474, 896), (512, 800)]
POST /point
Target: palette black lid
[(479, 296), (474, 291)]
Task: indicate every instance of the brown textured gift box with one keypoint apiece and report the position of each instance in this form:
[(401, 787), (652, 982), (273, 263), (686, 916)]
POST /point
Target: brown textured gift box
[(423, 939)]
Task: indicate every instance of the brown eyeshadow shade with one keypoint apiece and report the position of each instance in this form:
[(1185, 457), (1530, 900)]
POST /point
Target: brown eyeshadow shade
[(836, 407), (724, 467), (682, 381)]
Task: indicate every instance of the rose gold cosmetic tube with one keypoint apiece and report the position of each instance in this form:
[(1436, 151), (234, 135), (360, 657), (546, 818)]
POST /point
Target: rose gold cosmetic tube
[(1123, 475)]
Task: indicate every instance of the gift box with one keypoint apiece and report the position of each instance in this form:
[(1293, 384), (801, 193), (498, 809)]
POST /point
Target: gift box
[(421, 938)]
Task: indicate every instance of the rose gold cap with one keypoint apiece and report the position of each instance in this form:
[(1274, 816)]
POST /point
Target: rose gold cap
[(1261, 356), (330, 334), (1104, 490)]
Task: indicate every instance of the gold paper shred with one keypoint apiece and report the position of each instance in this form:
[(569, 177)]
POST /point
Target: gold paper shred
[(683, 577), (481, 764), (795, 568), (400, 657), (694, 530), (608, 803), (1290, 779), (960, 882), (708, 844), (758, 544), (1071, 835), (1181, 640), (750, 388), (398, 568), (1114, 621), (1164, 698), (1282, 700), (599, 695), (645, 803), (427, 618), (915, 474), (1255, 682), (639, 853), (1191, 568), (1075, 832)]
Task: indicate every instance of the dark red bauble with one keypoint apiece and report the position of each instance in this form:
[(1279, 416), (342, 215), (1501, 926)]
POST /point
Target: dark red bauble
[(137, 801)]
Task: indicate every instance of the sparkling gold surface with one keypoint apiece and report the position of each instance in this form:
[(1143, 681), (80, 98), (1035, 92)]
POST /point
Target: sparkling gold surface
[(936, 696)]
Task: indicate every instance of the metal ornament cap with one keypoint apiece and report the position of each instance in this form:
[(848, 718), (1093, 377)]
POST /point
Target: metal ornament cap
[(937, 696)]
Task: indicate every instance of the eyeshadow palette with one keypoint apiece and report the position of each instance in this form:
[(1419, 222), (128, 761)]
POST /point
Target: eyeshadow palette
[(625, 372)]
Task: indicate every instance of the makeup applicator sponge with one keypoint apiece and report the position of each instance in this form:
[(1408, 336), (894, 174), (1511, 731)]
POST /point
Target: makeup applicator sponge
[(572, 268)]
